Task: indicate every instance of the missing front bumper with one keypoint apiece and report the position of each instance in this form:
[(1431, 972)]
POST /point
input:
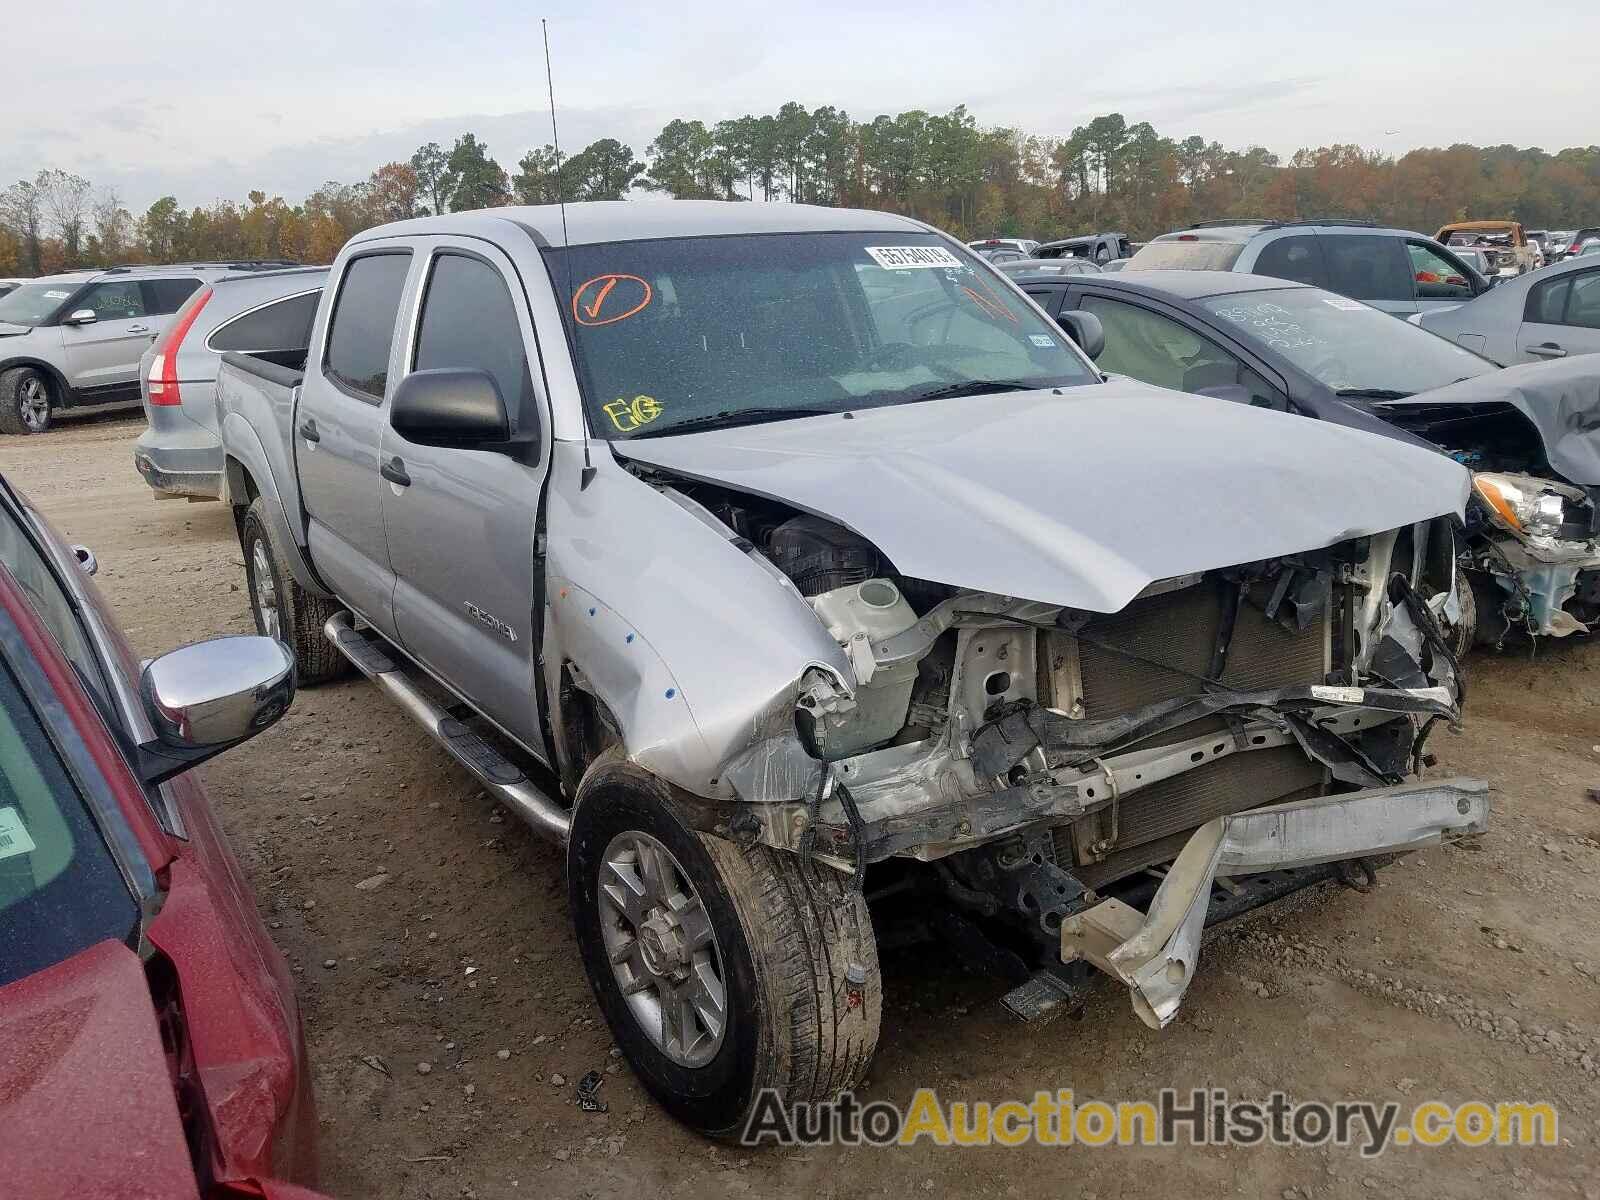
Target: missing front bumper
[(1154, 953)]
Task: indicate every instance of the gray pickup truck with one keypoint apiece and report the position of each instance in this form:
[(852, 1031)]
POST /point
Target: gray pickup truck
[(780, 559)]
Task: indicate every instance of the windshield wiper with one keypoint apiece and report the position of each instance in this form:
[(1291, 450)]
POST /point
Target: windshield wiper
[(1371, 394), (975, 387), (731, 417)]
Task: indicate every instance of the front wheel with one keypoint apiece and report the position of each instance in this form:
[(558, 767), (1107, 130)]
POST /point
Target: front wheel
[(723, 973), (26, 401)]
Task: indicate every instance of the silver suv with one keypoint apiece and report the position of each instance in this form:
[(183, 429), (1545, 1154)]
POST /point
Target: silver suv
[(74, 340), (263, 313), (1393, 269)]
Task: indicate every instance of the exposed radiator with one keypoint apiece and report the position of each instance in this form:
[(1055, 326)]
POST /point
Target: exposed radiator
[(1180, 629)]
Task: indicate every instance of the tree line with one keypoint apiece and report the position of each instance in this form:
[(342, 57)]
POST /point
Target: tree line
[(943, 168)]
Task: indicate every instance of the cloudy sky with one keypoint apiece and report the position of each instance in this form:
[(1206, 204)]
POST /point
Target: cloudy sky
[(209, 101)]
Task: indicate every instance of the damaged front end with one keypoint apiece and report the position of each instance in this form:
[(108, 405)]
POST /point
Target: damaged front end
[(1045, 761)]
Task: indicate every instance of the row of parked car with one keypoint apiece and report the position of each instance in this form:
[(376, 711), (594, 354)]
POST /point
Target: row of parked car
[(799, 556)]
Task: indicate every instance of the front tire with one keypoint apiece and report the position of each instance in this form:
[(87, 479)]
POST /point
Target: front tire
[(27, 401), (774, 957), (281, 607)]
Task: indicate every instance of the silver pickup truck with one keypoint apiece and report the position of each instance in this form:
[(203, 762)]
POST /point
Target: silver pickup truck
[(779, 560)]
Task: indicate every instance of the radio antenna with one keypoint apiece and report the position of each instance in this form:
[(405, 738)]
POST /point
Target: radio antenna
[(587, 477)]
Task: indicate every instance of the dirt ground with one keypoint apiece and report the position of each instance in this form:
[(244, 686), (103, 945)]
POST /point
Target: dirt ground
[(449, 1018)]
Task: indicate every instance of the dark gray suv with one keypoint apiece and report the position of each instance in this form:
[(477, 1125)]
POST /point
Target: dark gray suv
[(1396, 270)]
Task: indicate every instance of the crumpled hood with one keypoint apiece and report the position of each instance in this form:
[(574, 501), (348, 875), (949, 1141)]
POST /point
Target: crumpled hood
[(9, 330), (1081, 498), (86, 1096), (1560, 398)]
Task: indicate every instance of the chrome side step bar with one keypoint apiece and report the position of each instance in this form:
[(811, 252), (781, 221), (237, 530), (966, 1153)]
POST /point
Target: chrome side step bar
[(501, 777)]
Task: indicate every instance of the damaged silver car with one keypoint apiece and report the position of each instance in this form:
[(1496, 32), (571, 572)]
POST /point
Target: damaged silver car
[(781, 559)]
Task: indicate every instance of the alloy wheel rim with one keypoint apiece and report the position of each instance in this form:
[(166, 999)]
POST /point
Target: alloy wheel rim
[(266, 595), (662, 949), (34, 404)]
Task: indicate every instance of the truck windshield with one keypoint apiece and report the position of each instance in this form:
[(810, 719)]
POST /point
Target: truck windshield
[(1345, 344), (730, 330)]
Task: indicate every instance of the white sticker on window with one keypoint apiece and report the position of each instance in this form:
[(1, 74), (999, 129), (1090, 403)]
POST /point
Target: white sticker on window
[(1040, 339), (14, 837), (56, 295), (901, 258), (1343, 303)]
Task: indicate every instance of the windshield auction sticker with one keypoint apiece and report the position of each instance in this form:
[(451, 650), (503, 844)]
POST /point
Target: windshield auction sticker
[(902, 258), (14, 837)]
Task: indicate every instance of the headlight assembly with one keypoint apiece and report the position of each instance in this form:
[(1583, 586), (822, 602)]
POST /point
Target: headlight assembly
[(1522, 503)]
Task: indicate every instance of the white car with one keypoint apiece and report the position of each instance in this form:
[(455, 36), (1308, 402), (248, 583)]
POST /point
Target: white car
[(1546, 314)]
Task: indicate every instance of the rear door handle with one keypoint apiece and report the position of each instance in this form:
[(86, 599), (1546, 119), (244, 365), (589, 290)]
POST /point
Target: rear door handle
[(1548, 350), (309, 431), (138, 329), (395, 472)]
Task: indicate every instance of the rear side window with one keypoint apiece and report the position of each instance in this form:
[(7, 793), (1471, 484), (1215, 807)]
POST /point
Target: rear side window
[(469, 320), (1187, 256), (1298, 258), (1583, 306), (163, 296), (281, 325), (1367, 267), (1548, 301), (362, 330)]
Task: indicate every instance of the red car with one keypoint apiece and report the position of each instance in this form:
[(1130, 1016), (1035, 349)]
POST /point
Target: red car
[(150, 1042)]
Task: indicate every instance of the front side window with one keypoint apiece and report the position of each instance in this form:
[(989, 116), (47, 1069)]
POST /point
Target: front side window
[(1153, 348), (113, 301), (1349, 347), (362, 330), (32, 573), (1367, 267), (60, 889), (730, 330), (469, 320), (1437, 277)]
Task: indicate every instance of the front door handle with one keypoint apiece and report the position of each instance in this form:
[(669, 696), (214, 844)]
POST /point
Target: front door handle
[(138, 329), (1548, 350), (309, 431), (395, 472)]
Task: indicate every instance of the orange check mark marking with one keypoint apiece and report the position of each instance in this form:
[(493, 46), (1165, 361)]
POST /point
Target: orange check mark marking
[(593, 310)]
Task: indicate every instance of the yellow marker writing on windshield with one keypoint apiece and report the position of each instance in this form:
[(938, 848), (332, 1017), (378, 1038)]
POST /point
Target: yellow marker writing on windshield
[(628, 415)]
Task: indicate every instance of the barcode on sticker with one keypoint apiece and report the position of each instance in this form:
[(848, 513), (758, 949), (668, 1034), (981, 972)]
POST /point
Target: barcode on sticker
[(1338, 695), (901, 258), (14, 837)]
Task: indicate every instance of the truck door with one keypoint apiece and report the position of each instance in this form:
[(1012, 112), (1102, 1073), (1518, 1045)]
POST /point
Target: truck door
[(338, 425), (461, 529)]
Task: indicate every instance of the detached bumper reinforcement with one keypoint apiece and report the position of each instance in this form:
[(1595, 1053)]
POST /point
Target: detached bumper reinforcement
[(1154, 953)]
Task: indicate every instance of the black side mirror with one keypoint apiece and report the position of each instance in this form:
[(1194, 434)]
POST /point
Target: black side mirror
[(1085, 329), (453, 406)]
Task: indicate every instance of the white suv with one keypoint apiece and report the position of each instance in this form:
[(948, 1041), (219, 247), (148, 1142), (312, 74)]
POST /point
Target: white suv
[(74, 340)]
